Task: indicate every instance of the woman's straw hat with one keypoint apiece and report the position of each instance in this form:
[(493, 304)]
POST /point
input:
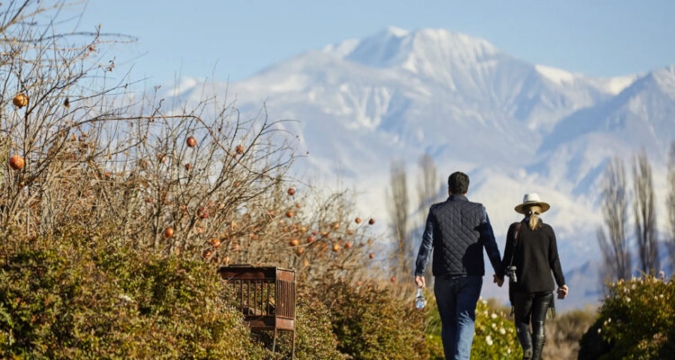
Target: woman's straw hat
[(532, 199)]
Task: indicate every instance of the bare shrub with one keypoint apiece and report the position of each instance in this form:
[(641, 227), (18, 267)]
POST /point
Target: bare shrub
[(94, 154)]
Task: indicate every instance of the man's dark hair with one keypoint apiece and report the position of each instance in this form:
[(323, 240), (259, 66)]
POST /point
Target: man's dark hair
[(458, 183)]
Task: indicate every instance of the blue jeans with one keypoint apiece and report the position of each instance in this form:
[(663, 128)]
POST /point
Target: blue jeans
[(456, 299)]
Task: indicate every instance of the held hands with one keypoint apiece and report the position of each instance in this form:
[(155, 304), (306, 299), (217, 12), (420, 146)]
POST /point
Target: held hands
[(562, 292), (420, 281), (498, 280)]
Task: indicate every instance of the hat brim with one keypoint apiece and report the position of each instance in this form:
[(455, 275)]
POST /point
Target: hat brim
[(544, 206)]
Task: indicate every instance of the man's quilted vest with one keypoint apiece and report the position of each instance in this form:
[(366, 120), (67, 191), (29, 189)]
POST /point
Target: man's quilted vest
[(457, 250)]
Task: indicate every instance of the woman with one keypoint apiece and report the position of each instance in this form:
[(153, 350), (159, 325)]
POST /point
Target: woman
[(531, 254)]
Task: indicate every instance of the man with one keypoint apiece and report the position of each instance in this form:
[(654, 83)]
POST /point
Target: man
[(457, 230)]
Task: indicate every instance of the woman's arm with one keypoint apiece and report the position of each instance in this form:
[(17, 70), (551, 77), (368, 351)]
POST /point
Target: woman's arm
[(554, 260)]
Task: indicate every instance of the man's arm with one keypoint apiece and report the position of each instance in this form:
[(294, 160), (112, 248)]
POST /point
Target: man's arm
[(487, 238), (425, 250), (508, 248)]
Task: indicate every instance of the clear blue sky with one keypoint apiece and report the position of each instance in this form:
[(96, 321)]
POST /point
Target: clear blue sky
[(231, 40)]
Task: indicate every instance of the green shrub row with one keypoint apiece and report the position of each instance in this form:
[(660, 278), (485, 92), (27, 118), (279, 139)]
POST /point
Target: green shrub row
[(636, 321), (76, 296), (79, 296)]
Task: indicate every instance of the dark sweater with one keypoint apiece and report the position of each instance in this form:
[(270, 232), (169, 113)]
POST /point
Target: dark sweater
[(535, 257)]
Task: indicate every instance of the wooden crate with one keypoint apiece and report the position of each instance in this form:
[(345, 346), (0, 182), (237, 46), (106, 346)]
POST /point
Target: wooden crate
[(265, 296)]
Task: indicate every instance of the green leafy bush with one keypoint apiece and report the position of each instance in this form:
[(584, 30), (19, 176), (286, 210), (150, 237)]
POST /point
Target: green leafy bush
[(315, 339), (370, 322), (313, 330), (636, 321), (65, 298)]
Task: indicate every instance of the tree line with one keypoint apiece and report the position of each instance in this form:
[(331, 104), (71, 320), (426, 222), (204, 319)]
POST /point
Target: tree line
[(617, 202)]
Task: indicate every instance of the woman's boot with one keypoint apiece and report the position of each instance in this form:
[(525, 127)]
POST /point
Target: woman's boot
[(541, 304), (522, 306), (524, 336), (537, 346)]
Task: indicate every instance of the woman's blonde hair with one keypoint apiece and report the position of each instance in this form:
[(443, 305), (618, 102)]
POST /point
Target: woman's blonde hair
[(533, 212)]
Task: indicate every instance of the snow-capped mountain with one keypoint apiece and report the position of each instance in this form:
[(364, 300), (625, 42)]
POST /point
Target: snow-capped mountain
[(514, 127)]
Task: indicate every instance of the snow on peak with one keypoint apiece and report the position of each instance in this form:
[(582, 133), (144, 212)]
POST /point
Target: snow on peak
[(395, 31), (665, 75), (613, 85), (412, 50), (556, 75), (617, 84), (383, 49), (342, 49), (456, 41), (345, 48)]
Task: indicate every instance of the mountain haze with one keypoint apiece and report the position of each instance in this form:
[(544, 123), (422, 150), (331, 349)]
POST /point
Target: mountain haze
[(513, 126)]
